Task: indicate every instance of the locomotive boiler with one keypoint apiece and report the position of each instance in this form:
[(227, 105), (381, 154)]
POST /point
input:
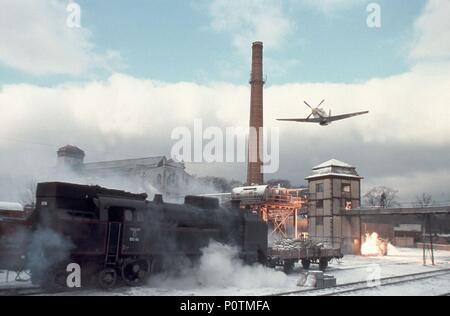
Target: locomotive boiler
[(116, 236)]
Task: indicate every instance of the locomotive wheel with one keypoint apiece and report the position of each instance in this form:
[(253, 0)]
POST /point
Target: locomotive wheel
[(107, 278), (288, 266), (134, 272), (323, 264), (306, 264)]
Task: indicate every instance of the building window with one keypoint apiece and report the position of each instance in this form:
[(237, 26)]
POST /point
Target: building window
[(319, 188), (159, 179), (171, 179), (319, 204), (319, 221), (128, 216), (346, 188)]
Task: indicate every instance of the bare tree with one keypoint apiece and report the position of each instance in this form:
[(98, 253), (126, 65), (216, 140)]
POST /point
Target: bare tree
[(424, 200), (28, 195), (382, 197)]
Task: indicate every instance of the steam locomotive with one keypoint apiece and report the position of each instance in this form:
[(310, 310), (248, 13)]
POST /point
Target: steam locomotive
[(115, 236)]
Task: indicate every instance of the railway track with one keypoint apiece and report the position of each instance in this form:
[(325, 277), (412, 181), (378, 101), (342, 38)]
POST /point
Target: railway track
[(22, 291), (33, 290), (346, 288), (363, 285), (336, 268)]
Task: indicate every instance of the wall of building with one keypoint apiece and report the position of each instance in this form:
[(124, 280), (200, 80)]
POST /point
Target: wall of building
[(328, 223), (151, 175)]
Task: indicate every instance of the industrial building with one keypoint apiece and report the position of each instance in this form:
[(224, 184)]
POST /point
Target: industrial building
[(151, 174)]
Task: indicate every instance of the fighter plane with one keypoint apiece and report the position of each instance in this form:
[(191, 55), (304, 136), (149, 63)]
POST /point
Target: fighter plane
[(321, 117)]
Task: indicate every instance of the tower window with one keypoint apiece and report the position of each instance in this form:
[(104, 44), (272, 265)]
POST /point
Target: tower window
[(319, 204), (346, 188), (319, 188)]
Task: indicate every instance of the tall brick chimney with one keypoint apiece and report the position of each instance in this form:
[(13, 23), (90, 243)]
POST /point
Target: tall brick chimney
[(254, 172)]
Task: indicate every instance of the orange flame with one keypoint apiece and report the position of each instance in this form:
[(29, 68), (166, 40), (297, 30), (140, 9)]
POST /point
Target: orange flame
[(373, 245)]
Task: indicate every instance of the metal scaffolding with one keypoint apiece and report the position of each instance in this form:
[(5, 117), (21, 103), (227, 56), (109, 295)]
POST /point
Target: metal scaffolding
[(279, 207)]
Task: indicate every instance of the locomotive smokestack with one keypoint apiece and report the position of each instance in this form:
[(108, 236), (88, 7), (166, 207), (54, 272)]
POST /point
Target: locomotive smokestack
[(254, 172)]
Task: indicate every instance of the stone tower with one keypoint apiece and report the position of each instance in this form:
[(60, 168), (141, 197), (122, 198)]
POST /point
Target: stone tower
[(334, 188)]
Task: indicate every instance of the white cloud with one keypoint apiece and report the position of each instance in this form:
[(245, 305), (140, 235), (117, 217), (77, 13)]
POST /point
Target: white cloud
[(331, 6), (432, 29), (134, 116), (400, 106), (411, 108), (251, 20), (36, 39)]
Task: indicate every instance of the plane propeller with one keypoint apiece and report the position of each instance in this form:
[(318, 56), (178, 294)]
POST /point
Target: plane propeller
[(314, 111)]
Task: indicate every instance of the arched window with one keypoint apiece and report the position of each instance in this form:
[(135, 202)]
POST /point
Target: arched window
[(159, 179)]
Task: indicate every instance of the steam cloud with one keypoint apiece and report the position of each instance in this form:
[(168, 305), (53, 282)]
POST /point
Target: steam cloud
[(46, 249), (220, 267)]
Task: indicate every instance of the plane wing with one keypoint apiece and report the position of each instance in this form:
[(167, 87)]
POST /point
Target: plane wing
[(344, 116), (312, 120), (328, 119)]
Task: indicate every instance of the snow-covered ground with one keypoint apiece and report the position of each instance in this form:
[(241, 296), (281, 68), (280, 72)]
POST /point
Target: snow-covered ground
[(400, 261), (435, 286), (7, 279), (221, 276)]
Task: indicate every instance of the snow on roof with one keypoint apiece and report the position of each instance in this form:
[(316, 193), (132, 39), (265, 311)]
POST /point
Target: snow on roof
[(334, 168), (333, 163), (70, 149), (127, 163), (8, 206)]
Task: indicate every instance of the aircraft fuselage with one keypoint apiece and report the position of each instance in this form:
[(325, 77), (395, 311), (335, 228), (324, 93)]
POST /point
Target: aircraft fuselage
[(321, 114)]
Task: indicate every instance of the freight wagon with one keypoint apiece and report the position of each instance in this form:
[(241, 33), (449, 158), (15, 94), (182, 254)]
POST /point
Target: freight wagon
[(288, 252)]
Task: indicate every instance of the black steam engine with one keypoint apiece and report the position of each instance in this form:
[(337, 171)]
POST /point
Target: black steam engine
[(119, 236)]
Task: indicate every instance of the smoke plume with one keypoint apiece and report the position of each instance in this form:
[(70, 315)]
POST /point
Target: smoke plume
[(220, 267)]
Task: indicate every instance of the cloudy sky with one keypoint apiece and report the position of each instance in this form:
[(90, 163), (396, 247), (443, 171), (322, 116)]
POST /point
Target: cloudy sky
[(118, 85)]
